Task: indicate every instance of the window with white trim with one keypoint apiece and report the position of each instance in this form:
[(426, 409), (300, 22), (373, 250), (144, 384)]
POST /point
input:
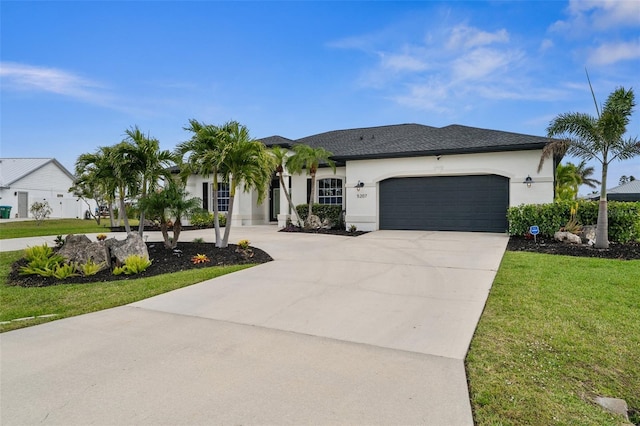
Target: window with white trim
[(223, 197), (330, 191)]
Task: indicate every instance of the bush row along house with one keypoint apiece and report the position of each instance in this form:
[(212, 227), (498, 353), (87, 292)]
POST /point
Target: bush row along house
[(407, 176)]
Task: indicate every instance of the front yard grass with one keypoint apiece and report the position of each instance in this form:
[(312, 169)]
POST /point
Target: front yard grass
[(67, 300), (556, 332), (30, 228)]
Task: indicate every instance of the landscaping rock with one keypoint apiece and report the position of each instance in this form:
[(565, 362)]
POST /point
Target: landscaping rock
[(588, 234), (614, 405), (567, 237), (132, 245), (80, 249), (313, 222)]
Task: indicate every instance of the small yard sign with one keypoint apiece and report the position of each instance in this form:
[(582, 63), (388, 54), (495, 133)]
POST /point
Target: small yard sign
[(534, 230)]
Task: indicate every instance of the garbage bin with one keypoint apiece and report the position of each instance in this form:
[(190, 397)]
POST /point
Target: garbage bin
[(5, 212)]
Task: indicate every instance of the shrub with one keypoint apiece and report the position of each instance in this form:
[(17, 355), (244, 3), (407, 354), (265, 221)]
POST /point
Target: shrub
[(204, 219), (133, 264), (198, 240), (624, 218), (41, 261), (40, 211), (323, 211), (243, 244), (38, 252), (101, 237), (65, 270), (90, 268)]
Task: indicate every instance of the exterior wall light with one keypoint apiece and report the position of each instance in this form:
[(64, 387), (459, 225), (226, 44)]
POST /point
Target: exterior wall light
[(359, 185), (528, 181)]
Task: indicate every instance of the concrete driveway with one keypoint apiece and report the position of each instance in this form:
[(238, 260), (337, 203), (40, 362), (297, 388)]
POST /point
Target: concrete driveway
[(337, 330)]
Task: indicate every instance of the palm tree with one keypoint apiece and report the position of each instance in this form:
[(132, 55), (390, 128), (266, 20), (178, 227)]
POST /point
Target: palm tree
[(600, 138), (306, 157), (170, 201), (585, 172), (246, 162), (147, 162), (101, 171), (281, 157), (204, 154), (567, 182)]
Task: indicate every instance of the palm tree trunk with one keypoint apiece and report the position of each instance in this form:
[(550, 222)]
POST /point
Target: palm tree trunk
[(141, 225), (312, 194), (216, 212), (111, 214), (127, 227), (602, 228), (291, 206), (165, 233), (177, 228), (227, 227)]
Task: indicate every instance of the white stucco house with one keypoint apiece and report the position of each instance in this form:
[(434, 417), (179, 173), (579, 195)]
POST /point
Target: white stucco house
[(24, 181), (407, 176)]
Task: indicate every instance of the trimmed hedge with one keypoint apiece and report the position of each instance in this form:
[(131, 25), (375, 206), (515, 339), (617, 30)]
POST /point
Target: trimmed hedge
[(624, 218), (204, 219), (323, 211)]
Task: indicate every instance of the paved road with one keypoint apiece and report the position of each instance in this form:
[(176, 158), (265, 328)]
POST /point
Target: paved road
[(337, 330)]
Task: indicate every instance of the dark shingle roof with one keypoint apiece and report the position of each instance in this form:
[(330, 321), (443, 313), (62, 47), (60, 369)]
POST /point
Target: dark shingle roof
[(277, 140), (406, 140)]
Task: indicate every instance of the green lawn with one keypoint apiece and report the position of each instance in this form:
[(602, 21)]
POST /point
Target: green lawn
[(556, 332), (67, 300), (30, 228)]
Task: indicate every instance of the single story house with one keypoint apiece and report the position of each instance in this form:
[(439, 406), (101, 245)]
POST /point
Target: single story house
[(407, 176), (629, 191), (24, 181)]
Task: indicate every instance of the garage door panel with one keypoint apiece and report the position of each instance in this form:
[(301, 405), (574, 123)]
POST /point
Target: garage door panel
[(445, 203)]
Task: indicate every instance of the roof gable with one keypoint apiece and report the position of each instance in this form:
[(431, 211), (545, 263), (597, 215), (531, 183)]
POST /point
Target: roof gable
[(14, 169)]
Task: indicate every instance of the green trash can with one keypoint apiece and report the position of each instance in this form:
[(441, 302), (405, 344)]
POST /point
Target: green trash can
[(5, 212)]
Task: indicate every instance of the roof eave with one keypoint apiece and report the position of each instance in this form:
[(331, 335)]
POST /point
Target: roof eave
[(427, 153)]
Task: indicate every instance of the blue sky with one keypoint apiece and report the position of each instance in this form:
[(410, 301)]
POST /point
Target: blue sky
[(75, 75)]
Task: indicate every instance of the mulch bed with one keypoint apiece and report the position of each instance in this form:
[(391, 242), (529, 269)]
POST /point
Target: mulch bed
[(628, 251), (163, 261), (343, 232)]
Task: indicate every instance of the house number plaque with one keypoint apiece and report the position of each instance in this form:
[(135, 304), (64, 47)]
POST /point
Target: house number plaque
[(361, 195)]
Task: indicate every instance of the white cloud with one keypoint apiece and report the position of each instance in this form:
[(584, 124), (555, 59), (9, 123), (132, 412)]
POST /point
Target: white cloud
[(463, 36), (609, 53), (405, 61), (32, 78), (546, 44), (481, 63), (586, 16)]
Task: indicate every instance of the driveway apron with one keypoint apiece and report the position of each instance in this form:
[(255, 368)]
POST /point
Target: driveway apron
[(336, 330)]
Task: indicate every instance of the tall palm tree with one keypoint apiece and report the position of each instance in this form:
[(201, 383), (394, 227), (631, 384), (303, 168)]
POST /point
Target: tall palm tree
[(281, 157), (204, 154), (246, 162), (148, 163), (309, 158), (600, 138)]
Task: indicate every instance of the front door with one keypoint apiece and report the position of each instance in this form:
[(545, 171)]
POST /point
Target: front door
[(23, 204)]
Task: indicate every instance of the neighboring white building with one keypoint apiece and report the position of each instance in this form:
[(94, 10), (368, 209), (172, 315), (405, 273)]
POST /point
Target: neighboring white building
[(408, 176), (24, 181)]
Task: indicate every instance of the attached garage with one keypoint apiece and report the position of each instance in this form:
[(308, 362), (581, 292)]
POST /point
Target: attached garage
[(445, 203)]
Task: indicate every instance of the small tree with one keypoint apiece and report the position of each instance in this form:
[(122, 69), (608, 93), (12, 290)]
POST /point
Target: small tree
[(40, 211)]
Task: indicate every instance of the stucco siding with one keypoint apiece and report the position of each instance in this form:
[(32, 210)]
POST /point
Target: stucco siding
[(362, 205)]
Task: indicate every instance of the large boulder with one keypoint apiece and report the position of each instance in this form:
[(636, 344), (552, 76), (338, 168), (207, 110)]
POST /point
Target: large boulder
[(588, 234), (80, 249), (132, 245)]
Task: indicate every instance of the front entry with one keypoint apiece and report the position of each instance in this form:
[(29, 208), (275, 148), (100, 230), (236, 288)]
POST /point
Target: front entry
[(274, 200)]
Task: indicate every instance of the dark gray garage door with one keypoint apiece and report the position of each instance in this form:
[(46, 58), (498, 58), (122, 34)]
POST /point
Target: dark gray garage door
[(445, 203)]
